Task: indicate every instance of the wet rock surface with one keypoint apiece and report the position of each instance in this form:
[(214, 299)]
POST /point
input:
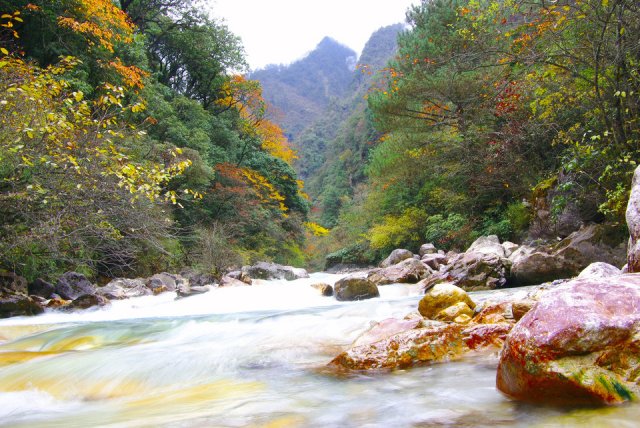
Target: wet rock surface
[(355, 288), (580, 344)]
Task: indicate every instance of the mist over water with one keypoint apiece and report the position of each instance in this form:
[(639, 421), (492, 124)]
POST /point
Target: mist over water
[(244, 356)]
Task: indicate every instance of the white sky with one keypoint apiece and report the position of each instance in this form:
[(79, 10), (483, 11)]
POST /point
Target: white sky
[(282, 31)]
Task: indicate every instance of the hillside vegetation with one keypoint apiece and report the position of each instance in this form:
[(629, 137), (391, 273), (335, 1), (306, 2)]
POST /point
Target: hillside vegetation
[(494, 117), (131, 143)]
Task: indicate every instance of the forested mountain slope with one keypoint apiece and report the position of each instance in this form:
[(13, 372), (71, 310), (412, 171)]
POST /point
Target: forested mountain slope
[(300, 92), (130, 144)]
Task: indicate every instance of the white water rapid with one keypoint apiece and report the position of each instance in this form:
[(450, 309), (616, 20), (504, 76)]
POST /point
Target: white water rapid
[(245, 357)]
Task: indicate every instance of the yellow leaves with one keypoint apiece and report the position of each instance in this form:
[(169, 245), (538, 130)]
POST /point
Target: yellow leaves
[(4, 51), (45, 123), (316, 229)]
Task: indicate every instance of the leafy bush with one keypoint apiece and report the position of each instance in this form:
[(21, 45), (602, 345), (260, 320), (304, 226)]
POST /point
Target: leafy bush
[(404, 231), (450, 232)]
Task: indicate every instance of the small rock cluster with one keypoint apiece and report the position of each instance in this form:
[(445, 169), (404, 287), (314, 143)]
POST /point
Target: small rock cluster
[(446, 328), (74, 291)]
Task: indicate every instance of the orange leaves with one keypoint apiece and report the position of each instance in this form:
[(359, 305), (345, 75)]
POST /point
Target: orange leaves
[(101, 21), (131, 75), (274, 141), (239, 179), (246, 96)]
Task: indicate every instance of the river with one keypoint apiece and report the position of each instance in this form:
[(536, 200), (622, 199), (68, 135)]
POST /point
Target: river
[(246, 357)]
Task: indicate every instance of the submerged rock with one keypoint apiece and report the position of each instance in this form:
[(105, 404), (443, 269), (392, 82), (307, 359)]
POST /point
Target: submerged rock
[(355, 288), (324, 289), (580, 344)]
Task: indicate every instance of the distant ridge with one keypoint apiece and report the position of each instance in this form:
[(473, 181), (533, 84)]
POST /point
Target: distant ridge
[(301, 91)]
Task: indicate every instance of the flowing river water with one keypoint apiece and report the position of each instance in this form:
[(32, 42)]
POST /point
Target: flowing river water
[(246, 357)]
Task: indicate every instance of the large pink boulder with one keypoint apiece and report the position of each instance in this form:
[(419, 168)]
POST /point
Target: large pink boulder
[(633, 222), (580, 344)]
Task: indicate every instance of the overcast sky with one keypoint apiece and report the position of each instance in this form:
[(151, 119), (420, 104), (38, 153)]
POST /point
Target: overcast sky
[(282, 31)]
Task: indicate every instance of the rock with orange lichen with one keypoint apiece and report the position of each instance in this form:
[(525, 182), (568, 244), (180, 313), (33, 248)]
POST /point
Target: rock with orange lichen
[(494, 314), (486, 335), (423, 343), (579, 344)]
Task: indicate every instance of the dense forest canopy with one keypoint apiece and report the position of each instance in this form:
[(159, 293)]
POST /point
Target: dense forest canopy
[(131, 143), (497, 117)]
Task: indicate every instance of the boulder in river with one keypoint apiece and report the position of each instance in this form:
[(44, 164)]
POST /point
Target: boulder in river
[(355, 288), (442, 296), (240, 276), (72, 285), (162, 282), (487, 245), (124, 288), (408, 270), (268, 271), (41, 288), (186, 290), (229, 281), (89, 300), (473, 271), (599, 270), (396, 257), (633, 223), (427, 249), (324, 289), (403, 345), (15, 304), (580, 344), (567, 258)]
